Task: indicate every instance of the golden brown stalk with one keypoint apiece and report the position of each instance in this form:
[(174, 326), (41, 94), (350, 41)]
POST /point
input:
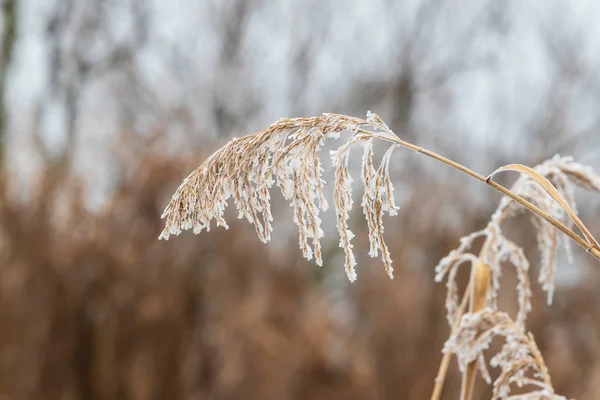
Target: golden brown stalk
[(552, 192), (445, 364), (593, 249), (480, 284)]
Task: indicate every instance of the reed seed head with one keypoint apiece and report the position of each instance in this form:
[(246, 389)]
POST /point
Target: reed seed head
[(286, 154), (520, 361)]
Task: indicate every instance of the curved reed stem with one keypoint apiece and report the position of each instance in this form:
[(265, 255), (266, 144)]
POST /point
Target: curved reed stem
[(592, 249), (445, 364)]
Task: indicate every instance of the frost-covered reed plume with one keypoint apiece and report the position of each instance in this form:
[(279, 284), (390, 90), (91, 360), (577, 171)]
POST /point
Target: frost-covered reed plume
[(286, 155), (563, 173), (519, 360), (550, 187)]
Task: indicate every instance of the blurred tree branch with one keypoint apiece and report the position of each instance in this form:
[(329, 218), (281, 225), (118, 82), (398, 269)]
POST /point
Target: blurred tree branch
[(9, 35), (83, 49)]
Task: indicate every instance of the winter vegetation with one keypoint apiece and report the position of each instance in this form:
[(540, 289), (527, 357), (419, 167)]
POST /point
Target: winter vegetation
[(286, 154), (106, 106)]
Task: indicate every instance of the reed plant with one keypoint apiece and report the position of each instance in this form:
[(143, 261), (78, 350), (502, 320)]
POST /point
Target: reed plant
[(286, 155)]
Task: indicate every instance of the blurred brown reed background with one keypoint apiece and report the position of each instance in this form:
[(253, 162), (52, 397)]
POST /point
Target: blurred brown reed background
[(93, 306)]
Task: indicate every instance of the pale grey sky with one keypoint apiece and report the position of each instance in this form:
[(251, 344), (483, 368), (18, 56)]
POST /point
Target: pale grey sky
[(303, 58)]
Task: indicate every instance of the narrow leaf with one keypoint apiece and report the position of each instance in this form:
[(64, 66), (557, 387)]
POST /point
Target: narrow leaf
[(553, 192)]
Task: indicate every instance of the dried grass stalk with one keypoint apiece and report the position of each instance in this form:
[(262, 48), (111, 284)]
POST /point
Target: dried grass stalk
[(286, 155), (480, 284)]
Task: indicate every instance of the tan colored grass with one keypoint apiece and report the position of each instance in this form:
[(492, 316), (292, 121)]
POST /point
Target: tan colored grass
[(286, 155), (479, 287)]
